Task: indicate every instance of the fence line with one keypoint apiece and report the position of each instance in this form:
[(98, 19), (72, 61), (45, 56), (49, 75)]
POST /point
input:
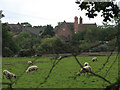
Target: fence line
[(56, 62)]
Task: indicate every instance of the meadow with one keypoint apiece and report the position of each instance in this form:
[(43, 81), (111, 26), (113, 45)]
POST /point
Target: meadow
[(61, 76)]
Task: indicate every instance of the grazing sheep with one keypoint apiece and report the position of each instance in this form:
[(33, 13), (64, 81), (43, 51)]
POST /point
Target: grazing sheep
[(8, 74), (94, 59), (84, 70), (36, 55), (31, 68), (30, 62), (86, 64)]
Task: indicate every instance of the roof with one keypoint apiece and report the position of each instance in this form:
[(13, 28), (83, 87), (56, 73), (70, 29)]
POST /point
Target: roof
[(32, 30), (83, 26), (16, 28), (71, 26)]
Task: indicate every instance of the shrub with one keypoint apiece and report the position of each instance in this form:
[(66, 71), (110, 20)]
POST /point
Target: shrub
[(25, 53)]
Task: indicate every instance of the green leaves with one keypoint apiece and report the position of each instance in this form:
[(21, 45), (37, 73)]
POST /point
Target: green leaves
[(109, 9), (48, 31), (8, 43)]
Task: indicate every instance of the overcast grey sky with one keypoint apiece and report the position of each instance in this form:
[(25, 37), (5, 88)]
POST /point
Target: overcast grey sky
[(43, 12)]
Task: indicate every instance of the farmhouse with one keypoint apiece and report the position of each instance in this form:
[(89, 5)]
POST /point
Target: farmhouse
[(17, 28), (66, 29)]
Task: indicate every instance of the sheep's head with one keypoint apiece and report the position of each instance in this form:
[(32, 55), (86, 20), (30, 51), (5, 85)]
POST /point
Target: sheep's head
[(14, 76), (86, 64)]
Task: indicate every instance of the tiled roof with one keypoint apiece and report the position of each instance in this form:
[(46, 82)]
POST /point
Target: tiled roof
[(34, 31), (80, 26), (83, 26), (17, 28)]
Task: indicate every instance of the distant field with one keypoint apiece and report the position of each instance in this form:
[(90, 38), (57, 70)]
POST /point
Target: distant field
[(60, 77)]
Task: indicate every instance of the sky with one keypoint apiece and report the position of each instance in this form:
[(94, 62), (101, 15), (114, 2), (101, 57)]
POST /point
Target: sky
[(43, 12)]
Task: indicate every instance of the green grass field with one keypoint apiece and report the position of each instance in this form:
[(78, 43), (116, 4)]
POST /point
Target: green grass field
[(61, 74)]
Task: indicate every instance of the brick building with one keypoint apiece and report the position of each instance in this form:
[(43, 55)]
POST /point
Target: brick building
[(66, 29)]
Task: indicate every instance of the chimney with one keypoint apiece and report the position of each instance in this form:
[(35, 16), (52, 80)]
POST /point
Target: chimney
[(76, 24), (80, 20)]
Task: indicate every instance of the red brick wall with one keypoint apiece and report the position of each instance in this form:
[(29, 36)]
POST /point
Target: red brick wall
[(64, 32)]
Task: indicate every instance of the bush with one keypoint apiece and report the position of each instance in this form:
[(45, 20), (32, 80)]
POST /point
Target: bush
[(25, 53), (7, 52), (51, 46), (102, 48)]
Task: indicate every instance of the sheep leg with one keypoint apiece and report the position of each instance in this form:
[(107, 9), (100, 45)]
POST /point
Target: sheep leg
[(3, 76)]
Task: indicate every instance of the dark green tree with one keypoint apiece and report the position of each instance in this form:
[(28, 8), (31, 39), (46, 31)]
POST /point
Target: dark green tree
[(52, 45), (48, 31), (109, 9), (26, 24), (24, 40), (9, 46)]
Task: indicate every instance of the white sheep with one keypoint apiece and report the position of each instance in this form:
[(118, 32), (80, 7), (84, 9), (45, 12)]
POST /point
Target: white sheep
[(30, 62), (31, 68), (94, 59), (8, 74), (86, 64), (84, 70)]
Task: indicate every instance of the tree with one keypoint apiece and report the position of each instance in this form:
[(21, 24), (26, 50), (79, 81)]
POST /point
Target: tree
[(9, 46), (1, 15), (37, 26), (52, 45), (24, 40), (26, 24), (109, 9), (48, 31), (59, 23)]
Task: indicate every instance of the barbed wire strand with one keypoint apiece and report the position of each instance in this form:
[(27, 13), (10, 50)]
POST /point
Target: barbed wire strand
[(92, 72), (111, 65), (107, 58), (54, 64)]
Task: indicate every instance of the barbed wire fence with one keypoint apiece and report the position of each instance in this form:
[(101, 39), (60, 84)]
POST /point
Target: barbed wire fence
[(55, 62), (10, 85), (75, 56)]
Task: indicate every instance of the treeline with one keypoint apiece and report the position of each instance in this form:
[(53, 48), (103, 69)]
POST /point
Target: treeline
[(93, 35), (25, 44)]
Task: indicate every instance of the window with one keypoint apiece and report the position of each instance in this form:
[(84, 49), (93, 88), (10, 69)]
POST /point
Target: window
[(63, 29)]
